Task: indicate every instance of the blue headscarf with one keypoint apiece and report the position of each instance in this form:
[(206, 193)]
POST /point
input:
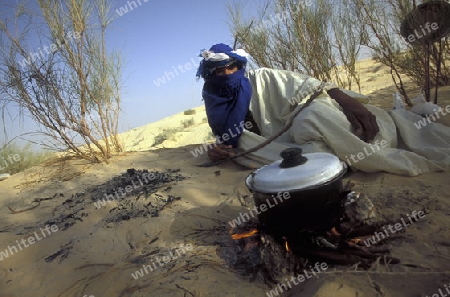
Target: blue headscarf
[(227, 98), (218, 56)]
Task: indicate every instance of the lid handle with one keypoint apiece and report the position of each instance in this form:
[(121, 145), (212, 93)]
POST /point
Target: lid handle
[(292, 157)]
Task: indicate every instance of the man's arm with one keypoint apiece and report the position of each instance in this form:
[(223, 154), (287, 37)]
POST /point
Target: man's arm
[(362, 120)]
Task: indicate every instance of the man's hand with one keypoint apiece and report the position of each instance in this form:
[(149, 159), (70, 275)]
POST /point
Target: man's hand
[(362, 120), (220, 152)]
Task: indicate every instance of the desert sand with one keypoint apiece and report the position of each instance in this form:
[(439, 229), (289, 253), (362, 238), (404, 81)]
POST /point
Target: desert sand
[(95, 251)]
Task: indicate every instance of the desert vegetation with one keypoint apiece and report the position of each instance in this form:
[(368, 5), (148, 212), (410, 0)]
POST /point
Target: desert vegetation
[(187, 123), (71, 86), (166, 134), (15, 158), (189, 112), (324, 39)]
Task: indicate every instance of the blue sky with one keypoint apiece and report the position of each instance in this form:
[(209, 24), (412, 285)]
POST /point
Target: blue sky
[(161, 39), (155, 38)]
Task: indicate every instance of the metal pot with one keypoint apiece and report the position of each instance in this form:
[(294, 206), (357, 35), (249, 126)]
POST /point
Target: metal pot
[(301, 191)]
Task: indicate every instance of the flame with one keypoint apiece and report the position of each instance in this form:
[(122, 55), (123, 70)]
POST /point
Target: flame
[(334, 232), (286, 245), (356, 240), (244, 235)]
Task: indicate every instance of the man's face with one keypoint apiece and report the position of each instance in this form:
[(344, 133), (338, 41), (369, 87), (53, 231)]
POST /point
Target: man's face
[(226, 70)]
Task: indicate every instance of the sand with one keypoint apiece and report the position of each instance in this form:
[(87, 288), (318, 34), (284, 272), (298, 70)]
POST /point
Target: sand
[(99, 249)]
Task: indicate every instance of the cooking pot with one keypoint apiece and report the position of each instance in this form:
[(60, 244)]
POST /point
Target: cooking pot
[(300, 192)]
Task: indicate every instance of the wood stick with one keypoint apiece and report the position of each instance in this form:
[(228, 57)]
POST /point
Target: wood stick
[(13, 211)]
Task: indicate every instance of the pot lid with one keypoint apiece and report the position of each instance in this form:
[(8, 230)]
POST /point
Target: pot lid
[(296, 171)]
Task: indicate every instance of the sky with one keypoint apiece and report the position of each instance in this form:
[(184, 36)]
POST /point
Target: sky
[(158, 40)]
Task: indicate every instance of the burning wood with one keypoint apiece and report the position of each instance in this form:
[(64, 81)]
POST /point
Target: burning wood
[(245, 234), (291, 252), (334, 232), (286, 245)]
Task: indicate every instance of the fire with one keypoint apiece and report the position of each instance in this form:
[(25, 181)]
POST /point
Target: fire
[(334, 232), (356, 240), (245, 234), (286, 245)]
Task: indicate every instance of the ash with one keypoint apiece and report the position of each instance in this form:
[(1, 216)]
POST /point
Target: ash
[(144, 197), (147, 195)]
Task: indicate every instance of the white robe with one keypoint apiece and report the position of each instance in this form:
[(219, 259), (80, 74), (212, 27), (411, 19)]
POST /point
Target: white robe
[(322, 127)]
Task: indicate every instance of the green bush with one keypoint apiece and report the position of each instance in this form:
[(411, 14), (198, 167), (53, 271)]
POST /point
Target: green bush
[(190, 112), (187, 123), (164, 135), (14, 159)]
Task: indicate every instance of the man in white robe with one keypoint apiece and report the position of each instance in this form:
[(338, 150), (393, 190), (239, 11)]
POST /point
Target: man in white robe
[(367, 138)]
